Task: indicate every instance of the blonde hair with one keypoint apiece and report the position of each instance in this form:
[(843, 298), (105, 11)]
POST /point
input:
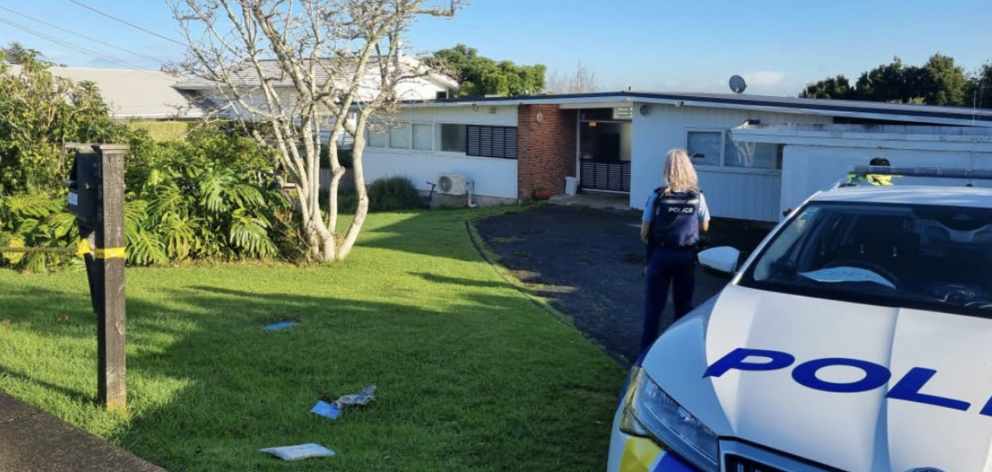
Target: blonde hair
[(680, 175)]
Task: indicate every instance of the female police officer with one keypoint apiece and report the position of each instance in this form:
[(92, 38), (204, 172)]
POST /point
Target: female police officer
[(674, 217)]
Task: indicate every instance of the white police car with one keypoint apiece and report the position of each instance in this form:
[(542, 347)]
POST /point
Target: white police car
[(857, 337)]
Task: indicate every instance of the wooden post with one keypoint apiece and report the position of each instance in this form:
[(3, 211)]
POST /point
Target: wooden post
[(108, 254)]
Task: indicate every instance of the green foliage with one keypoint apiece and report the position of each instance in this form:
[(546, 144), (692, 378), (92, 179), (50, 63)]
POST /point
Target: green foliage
[(480, 75), (16, 53), (36, 221), (393, 194), (162, 130), (192, 201), (938, 82), (39, 114)]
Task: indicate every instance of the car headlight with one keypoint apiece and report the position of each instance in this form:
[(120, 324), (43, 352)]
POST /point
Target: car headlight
[(649, 412)]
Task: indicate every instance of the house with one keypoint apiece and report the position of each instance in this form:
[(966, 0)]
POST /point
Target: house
[(134, 94), (421, 85), (756, 156)]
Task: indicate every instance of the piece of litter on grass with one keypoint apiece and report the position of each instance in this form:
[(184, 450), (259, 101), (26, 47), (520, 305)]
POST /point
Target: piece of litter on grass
[(326, 409), (361, 398), (284, 324), (301, 451)]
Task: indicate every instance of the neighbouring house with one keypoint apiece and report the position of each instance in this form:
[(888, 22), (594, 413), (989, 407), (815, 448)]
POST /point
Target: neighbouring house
[(756, 156), (135, 94), (422, 85)]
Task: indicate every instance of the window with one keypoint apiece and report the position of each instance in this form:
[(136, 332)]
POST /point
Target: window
[(718, 149), (492, 141), (451, 138), (423, 136), (377, 138), (704, 147), (399, 136), (753, 155)]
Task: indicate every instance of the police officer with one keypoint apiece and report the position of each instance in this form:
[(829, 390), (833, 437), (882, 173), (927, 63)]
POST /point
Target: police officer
[(875, 179), (674, 218)]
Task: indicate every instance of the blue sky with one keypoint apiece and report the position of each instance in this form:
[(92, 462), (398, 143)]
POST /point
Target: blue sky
[(659, 45)]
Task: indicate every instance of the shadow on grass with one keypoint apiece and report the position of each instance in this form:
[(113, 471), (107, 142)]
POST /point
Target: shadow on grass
[(472, 384)]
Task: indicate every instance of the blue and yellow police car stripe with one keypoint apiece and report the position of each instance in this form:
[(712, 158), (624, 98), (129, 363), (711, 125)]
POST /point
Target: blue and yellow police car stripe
[(643, 455)]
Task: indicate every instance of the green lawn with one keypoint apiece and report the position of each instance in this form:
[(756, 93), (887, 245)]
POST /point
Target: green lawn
[(470, 374)]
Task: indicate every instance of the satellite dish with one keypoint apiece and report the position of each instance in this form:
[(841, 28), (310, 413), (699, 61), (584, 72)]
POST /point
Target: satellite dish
[(737, 84)]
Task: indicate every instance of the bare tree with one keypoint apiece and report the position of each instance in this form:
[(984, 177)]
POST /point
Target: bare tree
[(582, 81), (303, 66)]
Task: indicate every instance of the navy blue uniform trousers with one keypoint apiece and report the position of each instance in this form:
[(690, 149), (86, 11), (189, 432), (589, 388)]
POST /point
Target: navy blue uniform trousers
[(674, 267)]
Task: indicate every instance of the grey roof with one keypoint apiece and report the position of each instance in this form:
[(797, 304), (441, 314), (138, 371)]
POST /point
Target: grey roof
[(896, 111), (248, 76), (133, 93)]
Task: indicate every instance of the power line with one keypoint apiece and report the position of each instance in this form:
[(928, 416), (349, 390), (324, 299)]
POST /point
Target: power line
[(126, 23), (83, 36), (77, 48)]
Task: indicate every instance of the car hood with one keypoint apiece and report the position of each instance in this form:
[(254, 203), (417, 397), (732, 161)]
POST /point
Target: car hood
[(856, 387)]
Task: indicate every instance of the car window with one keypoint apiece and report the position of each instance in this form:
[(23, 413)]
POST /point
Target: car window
[(925, 256)]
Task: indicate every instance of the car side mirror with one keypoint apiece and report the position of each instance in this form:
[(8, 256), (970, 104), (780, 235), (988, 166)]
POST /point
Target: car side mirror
[(721, 259)]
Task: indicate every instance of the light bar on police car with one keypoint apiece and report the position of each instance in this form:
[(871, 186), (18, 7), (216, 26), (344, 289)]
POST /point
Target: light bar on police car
[(937, 172)]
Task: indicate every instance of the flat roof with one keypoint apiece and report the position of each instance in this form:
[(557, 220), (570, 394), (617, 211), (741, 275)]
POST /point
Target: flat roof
[(876, 110)]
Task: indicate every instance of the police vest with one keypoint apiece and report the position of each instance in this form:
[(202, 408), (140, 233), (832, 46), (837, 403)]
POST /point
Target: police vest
[(676, 219)]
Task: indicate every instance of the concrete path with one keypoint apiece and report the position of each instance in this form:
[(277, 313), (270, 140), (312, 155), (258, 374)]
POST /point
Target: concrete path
[(32, 440)]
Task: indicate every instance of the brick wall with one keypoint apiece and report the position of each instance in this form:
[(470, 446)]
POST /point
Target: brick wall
[(545, 150)]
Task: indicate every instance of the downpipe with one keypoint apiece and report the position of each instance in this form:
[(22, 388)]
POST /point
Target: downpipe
[(471, 194)]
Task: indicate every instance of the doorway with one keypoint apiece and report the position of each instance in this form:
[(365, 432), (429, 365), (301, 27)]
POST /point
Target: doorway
[(604, 151)]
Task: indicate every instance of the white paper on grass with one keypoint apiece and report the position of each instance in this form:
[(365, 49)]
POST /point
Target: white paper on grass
[(301, 451), (847, 274)]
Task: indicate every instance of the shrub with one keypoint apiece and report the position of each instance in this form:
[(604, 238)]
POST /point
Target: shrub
[(344, 158), (394, 194), (36, 221)]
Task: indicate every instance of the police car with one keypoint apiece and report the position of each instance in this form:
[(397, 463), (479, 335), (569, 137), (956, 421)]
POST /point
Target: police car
[(856, 337)]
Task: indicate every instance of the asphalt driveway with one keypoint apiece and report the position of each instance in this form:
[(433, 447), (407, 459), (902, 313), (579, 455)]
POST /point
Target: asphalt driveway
[(588, 263)]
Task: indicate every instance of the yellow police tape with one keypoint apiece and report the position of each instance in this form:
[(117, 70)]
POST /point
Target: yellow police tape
[(84, 247), (109, 253)]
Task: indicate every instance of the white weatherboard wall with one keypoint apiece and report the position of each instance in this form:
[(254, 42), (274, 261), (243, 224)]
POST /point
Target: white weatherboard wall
[(493, 177), (809, 168), (752, 194)]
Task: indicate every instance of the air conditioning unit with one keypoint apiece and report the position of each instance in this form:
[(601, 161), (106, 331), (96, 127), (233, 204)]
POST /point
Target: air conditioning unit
[(451, 184)]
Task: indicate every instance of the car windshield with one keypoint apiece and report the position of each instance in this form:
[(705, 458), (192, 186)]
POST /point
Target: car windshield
[(916, 256)]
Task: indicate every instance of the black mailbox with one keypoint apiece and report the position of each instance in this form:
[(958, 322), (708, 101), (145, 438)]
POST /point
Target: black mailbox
[(84, 179)]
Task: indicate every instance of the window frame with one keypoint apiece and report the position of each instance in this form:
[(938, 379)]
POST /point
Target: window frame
[(723, 167)]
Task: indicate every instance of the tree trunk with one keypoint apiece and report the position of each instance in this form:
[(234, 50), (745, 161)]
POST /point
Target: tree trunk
[(360, 212)]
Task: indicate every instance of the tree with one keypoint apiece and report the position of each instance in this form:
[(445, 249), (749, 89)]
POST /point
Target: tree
[(938, 82), (478, 75), (39, 114), (838, 88), (303, 66), (17, 54), (582, 81)]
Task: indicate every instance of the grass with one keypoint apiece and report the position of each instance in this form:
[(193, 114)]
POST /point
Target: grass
[(471, 375)]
